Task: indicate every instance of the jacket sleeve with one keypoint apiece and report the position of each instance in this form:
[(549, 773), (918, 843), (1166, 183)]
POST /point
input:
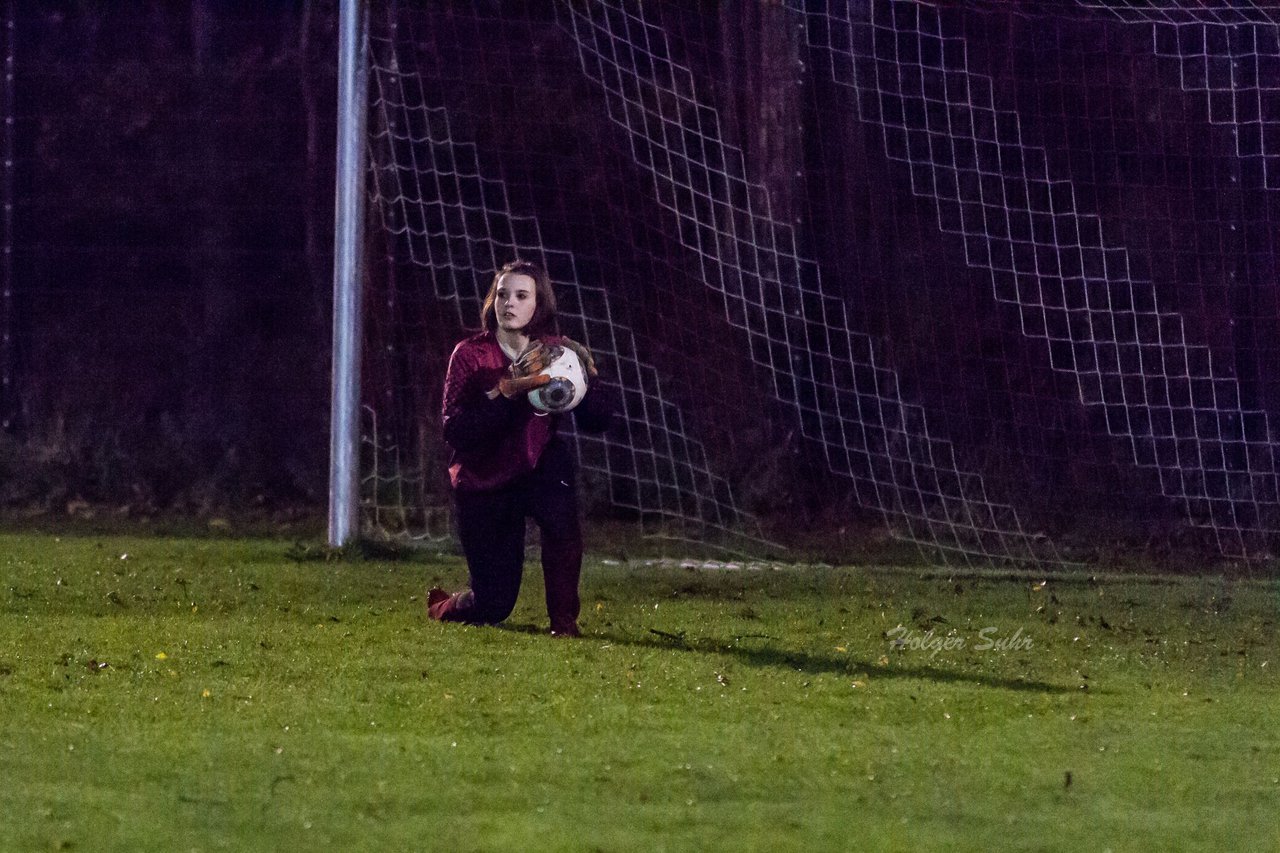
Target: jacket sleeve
[(471, 420)]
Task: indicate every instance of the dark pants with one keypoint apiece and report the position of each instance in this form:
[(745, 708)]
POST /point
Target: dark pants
[(491, 527)]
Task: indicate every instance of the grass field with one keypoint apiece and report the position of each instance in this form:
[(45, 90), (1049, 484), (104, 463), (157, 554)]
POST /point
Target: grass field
[(223, 694)]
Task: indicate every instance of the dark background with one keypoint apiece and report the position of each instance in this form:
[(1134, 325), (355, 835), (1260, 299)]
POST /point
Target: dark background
[(172, 267), (169, 324)]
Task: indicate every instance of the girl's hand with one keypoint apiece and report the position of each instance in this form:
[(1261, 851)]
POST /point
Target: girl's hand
[(525, 373), (534, 359), (510, 387)]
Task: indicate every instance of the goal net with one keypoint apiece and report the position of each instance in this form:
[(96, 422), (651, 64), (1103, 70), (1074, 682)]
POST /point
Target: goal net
[(997, 279)]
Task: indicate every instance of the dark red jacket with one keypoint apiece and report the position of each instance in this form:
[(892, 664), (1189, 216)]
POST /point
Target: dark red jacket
[(495, 441)]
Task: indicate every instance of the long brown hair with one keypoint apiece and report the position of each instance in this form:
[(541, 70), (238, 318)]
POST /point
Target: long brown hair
[(544, 310)]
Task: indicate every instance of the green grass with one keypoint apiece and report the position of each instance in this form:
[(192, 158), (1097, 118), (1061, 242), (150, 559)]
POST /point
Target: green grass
[(225, 694)]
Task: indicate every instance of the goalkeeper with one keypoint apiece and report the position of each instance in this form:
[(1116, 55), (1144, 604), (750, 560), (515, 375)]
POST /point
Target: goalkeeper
[(508, 461)]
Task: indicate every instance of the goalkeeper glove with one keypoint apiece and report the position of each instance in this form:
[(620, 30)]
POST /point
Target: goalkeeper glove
[(510, 387), (525, 373), (584, 355), (534, 359)]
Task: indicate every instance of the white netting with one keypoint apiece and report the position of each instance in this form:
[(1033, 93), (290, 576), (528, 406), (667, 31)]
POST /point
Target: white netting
[(974, 294), (455, 224), (1238, 70), (1163, 394), (800, 337), (1189, 11)]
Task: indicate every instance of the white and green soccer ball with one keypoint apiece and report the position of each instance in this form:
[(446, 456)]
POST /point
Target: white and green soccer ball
[(568, 383)]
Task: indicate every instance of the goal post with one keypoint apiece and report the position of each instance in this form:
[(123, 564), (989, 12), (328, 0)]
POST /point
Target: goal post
[(996, 280), (348, 274)]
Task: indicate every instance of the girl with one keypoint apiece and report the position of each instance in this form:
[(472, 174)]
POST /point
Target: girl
[(507, 461)]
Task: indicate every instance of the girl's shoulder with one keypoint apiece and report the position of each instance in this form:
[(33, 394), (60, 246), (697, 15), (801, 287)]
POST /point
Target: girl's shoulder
[(477, 342), (475, 352), (481, 337)]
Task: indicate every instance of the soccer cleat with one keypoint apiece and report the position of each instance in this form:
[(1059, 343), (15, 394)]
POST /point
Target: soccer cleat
[(570, 630), (437, 600)]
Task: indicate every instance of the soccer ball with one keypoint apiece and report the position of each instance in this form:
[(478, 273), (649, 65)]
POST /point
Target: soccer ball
[(568, 383)]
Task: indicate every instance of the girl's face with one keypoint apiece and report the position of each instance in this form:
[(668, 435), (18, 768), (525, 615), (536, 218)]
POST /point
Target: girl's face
[(517, 299)]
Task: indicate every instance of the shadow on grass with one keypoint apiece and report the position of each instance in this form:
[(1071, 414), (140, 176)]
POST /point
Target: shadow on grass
[(812, 664)]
